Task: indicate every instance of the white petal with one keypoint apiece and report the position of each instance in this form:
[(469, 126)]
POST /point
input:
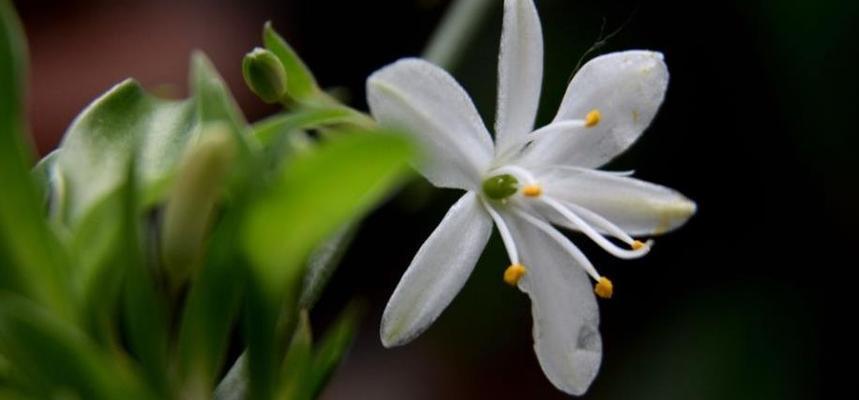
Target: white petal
[(520, 73), (566, 317), (627, 89), (635, 206), (428, 104), (438, 271)]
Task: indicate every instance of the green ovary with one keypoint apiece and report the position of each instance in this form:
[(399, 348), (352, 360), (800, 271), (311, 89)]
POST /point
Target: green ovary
[(500, 187)]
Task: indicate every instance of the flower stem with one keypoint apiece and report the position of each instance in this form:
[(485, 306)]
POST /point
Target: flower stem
[(452, 36)]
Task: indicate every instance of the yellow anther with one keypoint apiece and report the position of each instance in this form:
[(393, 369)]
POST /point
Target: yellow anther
[(637, 245), (514, 273), (604, 288), (593, 118), (532, 190)]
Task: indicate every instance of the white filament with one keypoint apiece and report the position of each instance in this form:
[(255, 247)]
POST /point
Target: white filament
[(506, 237), (557, 126), (564, 242), (583, 226), (600, 222)]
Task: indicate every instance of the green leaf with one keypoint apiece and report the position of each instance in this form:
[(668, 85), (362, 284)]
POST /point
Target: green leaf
[(322, 263), (90, 165), (215, 105), (286, 134), (333, 347), (215, 295), (32, 259), (300, 83), (100, 261), (317, 192), (43, 175), (10, 394), (53, 357), (264, 334), (144, 312), (305, 370), (212, 307), (214, 101), (297, 366), (94, 149), (268, 131), (103, 245), (144, 315)]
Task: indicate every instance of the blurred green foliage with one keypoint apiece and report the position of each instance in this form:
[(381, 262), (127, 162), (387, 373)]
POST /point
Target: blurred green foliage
[(131, 256)]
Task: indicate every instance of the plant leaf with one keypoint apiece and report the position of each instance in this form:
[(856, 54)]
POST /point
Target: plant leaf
[(300, 83), (297, 365), (53, 358), (317, 192), (211, 308), (214, 101), (269, 130), (215, 295), (333, 347), (94, 151), (322, 263), (43, 175), (144, 312), (32, 260), (97, 246), (305, 374)]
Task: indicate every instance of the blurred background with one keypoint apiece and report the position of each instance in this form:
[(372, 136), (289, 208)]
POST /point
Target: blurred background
[(750, 300)]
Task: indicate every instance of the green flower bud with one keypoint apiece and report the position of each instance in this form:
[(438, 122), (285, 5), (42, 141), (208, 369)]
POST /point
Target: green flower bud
[(196, 190), (264, 75)]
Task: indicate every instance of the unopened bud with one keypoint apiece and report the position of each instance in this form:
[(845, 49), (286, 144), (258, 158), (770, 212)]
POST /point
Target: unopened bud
[(196, 190), (264, 75)]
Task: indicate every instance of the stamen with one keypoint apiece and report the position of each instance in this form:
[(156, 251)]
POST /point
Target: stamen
[(564, 125), (514, 273), (607, 245), (533, 190), (593, 118), (506, 237), (604, 288), (637, 245), (574, 251), (610, 174), (601, 223)]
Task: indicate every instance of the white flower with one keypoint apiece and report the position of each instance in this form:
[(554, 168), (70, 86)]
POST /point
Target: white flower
[(527, 182)]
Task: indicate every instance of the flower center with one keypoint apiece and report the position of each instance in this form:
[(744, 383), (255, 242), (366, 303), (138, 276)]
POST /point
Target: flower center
[(500, 187)]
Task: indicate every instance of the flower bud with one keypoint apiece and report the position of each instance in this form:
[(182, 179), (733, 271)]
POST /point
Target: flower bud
[(190, 205), (264, 75)]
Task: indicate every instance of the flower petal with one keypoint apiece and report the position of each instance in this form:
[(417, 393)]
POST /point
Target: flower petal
[(428, 104), (438, 271), (635, 206), (566, 317), (520, 74), (626, 88)]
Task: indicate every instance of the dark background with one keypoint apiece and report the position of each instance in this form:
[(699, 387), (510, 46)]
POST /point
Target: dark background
[(751, 299)]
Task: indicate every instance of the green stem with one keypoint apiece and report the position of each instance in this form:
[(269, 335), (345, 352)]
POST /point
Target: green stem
[(452, 36)]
